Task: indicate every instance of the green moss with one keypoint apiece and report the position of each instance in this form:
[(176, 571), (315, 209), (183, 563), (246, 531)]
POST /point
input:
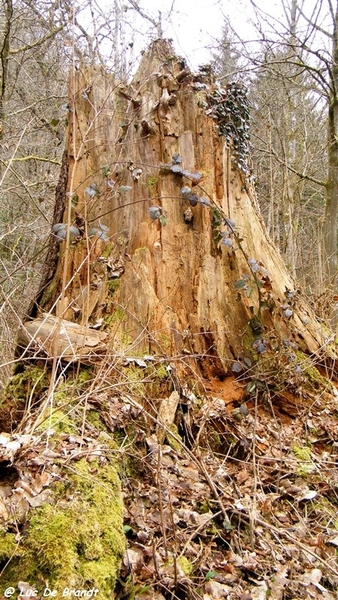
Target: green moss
[(161, 372), (115, 317), (152, 182), (185, 565), (76, 543), (84, 376), (302, 452), (59, 422), (49, 292), (317, 380), (31, 382), (9, 547), (164, 341), (93, 417), (113, 285), (108, 250), (175, 445), (135, 376)]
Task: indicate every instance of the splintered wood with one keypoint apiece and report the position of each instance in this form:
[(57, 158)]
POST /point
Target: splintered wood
[(49, 336)]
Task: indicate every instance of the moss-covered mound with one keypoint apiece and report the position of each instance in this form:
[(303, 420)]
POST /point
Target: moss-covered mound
[(76, 541)]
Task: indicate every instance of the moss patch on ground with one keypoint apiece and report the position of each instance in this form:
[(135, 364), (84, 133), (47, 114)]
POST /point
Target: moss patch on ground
[(78, 541)]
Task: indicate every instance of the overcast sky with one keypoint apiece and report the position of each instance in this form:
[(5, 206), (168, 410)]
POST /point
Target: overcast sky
[(195, 24)]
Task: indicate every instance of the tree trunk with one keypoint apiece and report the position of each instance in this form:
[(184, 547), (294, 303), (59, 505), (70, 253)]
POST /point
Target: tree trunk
[(174, 288), (331, 207)]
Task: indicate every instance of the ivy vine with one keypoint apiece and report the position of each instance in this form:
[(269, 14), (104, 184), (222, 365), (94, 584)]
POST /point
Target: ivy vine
[(229, 107)]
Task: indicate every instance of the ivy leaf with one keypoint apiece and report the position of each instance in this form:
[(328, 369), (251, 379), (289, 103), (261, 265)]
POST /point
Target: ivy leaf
[(110, 184), (124, 188), (155, 212), (185, 190), (136, 174), (203, 200), (59, 229), (176, 169), (103, 236), (92, 190), (240, 284), (230, 224), (93, 231), (75, 200), (254, 266), (227, 241), (288, 313), (74, 230), (260, 346), (250, 386), (58, 226), (177, 159), (196, 176), (105, 170)]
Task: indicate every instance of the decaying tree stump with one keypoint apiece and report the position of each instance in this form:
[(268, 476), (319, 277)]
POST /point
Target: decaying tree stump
[(164, 235)]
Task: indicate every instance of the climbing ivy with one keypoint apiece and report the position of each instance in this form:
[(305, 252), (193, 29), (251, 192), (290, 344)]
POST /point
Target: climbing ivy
[(230, 108)]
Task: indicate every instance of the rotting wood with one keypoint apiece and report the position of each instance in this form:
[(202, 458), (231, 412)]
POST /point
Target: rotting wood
[(47, 335)]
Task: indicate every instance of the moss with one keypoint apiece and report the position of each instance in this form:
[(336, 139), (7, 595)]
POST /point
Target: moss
[(175, 445), (59, 422), (317, 380), (185, 565), (302, 453), (8, 546), (152, 182), (161, 372), (113, 285), (164, 341), (117, 316), (135, 377), (84, 376), (78, 542), (49, 293), (32, 381), (108, 250), (93, 417), (23, 389)]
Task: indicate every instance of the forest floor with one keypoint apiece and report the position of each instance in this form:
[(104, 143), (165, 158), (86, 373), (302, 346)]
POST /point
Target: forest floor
[(241, 503), (230, 493)]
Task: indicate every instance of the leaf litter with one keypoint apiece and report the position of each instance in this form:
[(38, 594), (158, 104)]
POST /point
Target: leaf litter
[(219, 502)]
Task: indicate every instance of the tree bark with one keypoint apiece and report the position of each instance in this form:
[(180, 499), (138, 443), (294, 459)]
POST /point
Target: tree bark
[(331, 209)]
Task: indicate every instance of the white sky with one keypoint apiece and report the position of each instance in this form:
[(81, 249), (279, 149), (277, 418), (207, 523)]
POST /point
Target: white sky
[(195, 24)]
